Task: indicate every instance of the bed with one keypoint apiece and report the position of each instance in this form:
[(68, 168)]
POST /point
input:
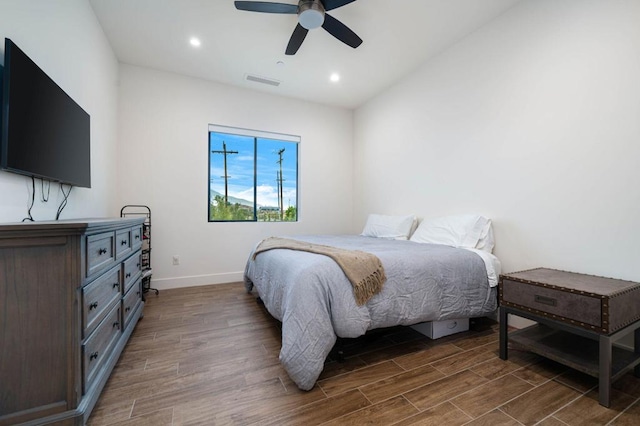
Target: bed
[(312, 297)]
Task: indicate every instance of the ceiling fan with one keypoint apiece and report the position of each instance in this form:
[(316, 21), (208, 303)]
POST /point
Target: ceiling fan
[(311, 14)]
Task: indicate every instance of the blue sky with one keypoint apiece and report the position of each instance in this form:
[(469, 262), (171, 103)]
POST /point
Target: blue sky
[(240, 168)]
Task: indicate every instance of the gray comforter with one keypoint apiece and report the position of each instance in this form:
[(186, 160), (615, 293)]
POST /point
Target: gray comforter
[(314, 300)]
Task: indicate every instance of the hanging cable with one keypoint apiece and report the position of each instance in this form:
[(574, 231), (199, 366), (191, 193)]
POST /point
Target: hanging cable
[(45, 199), (33, 200), (63, 204)]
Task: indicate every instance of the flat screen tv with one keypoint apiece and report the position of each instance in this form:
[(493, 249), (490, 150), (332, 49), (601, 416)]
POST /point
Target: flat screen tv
[(43, 132)]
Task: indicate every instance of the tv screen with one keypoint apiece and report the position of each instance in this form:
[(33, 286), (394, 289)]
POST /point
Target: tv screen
[(44, 133)]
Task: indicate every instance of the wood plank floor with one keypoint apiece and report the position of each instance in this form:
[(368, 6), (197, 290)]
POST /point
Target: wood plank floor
[(209, 356)]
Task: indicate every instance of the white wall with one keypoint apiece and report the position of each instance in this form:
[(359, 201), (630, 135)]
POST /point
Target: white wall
[(163, 162), (64, 38), (534, 121)]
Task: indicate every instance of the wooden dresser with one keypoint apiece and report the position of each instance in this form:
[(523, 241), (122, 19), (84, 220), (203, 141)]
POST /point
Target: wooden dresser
[(70, 297)]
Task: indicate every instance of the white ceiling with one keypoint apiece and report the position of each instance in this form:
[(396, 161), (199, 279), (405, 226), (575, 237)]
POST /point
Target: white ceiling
[(399, 36)]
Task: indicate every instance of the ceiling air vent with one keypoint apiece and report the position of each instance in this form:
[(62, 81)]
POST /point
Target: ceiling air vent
[(263, 80)]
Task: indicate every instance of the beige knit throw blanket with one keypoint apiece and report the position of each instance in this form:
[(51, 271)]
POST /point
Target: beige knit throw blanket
[(364, 270)]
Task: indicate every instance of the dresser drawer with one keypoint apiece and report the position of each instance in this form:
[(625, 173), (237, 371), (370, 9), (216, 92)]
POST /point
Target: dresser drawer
[(130, 301), (98, 347), (100, 252), (136, 237), (131, 271), (98, 298), (123, 243), (569, 305)]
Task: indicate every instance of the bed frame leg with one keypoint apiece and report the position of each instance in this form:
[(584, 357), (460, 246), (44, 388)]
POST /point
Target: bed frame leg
[(338, 350)]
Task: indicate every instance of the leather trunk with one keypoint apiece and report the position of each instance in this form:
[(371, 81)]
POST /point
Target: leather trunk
[(604, 305)]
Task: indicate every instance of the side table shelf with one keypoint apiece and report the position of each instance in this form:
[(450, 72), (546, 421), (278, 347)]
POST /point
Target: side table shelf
[(586, 351), (572, 350)]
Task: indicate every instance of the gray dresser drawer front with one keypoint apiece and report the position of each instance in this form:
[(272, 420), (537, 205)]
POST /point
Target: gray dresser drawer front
[(131, 270), (100, 252), (98, 298), (98, 347), (565, 304), (123, 243), (136, 237), (130, 301)]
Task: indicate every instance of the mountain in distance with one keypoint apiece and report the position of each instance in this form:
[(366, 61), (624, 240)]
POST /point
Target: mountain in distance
[(233, 200)]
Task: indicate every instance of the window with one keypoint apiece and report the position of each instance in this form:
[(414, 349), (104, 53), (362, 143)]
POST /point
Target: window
[(253, 176)]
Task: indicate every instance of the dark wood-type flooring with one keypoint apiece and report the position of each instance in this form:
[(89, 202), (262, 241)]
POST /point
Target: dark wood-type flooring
[(209, 355)]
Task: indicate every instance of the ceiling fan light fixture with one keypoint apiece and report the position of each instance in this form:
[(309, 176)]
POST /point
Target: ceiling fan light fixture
[(311, 14)]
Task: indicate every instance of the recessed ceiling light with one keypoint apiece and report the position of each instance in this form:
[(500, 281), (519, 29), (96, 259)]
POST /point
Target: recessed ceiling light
[(335, 77), (280, 64), (195, 42)]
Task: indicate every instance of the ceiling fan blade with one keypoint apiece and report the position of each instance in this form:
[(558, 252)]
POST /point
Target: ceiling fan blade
[(334, 4), (267, 7), (341, 31), (296, 40)]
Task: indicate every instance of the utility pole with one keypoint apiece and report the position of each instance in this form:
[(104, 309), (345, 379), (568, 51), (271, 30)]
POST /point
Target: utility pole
[(280, 180), (226, 176)]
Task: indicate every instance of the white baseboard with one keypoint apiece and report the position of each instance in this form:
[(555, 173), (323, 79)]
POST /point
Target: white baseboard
[(196, 280)]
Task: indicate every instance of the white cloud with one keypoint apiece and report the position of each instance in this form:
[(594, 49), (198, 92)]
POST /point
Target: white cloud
[(267, 195)]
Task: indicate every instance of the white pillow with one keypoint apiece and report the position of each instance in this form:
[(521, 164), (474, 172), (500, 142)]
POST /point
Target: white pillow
[(486, 242), (392, 227), (456, 231)]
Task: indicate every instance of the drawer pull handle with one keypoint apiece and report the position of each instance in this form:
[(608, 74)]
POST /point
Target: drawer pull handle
[(127, 309), (93, 306), (138, 293), (116, 285), (93, 356), (116, 324), (102, 251), (123, 242), (545, 300), (137, 237), (127, 275)]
